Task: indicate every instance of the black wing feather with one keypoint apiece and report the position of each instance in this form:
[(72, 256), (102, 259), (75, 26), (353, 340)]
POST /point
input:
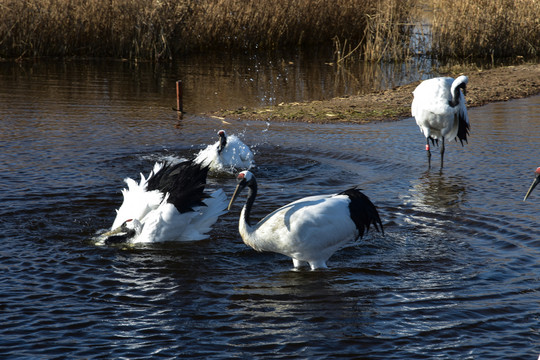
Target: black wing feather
[(185, 183), (463, 128)]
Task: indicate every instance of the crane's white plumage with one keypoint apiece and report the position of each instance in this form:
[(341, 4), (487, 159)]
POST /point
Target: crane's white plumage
[(226, 155), (440, 110), (310, 229), (169, 205), (137, 201), (535, 182)]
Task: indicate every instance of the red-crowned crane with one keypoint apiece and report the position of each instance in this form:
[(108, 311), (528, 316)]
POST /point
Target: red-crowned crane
[(169, 205), (534, 183), (310, 229), (440, 111), (227, 154)]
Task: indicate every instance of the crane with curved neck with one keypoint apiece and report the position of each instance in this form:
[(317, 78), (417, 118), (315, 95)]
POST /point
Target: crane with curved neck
[(308, 230), (440, 111)]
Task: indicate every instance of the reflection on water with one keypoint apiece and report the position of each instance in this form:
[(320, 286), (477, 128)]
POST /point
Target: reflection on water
[(438, 191), (210, 83)]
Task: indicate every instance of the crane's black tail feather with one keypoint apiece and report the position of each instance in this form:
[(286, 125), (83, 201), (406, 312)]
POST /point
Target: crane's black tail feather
[(363, 212)]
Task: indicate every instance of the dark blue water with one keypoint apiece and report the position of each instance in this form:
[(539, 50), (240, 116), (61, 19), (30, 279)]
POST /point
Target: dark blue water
[(457, 274)]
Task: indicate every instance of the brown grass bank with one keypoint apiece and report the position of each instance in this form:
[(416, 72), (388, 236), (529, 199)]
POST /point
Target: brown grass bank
[(485, 86), (164, 29)]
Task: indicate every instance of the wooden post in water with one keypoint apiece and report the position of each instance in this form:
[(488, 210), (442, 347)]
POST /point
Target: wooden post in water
[(179, 103)]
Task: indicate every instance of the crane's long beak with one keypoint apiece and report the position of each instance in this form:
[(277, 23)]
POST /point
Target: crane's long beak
[(237, 191), (120, 234), (121, 230), (533, 185)]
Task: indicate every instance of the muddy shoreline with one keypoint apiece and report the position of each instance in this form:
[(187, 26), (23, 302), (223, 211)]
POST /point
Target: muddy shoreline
[(485, 86)]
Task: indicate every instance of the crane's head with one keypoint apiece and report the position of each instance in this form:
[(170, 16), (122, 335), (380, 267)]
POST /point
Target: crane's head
[(129, 229), (244, 178), (534, 183), (222, 140)]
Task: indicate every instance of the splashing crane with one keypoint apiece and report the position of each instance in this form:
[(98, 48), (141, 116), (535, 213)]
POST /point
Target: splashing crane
[(169, 205), (227, 154)]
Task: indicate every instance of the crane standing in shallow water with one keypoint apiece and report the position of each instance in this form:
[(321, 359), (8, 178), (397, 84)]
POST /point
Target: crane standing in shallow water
[(440, 111), (310, 229), (535, 182)]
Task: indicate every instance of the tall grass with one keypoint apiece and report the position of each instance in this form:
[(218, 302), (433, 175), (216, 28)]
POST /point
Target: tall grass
[(164, 29), (389, 29), (486, 29), (97, 28)]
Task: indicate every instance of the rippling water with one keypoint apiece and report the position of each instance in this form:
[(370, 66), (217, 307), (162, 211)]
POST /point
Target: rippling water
[(456, 276)]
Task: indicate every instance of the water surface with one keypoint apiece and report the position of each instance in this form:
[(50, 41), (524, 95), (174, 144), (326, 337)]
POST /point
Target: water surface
[(456, 274)]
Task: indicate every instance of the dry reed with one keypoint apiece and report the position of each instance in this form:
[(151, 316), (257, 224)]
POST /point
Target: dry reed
[(488, 29), (163, 29), (388, 34)]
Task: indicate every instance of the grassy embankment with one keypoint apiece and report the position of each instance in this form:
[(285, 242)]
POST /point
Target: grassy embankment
[(165, 29)]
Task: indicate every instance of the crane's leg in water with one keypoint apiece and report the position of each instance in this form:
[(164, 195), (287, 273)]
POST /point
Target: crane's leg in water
[(428, 153), (442, 153)]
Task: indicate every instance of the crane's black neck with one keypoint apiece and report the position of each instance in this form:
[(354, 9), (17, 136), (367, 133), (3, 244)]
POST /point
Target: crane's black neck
[(222, 143), (456, 95), (252, 193)]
